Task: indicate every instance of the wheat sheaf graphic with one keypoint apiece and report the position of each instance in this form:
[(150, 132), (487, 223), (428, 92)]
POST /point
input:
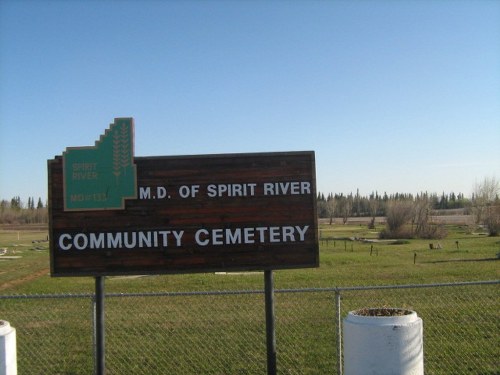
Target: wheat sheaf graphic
[(121, 150)]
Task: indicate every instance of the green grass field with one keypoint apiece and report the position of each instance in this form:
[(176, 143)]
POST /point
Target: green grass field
[(200, 334), (24, 269)]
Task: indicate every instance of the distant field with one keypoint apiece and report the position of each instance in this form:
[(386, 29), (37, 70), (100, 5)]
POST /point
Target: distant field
[(451, 217), (464, 256)]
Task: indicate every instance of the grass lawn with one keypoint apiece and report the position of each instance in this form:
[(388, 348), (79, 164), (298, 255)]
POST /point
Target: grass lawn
[(204, 334), (343, 262)]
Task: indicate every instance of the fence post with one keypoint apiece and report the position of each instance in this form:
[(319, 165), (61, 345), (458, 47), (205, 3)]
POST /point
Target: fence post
[(339, 331), (8, 349)]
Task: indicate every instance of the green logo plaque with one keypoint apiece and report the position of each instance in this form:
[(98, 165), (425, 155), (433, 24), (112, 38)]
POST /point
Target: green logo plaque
[(103, 176)]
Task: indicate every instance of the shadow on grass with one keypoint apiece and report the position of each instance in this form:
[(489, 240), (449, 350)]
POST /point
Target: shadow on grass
[(463, 260)]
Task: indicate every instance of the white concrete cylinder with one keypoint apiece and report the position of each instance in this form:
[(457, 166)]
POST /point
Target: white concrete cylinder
[(385, 344), (8, 356)]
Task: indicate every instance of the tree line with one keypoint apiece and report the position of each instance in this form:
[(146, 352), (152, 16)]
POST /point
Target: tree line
[(409, 216), (16, 211), (376, 204)]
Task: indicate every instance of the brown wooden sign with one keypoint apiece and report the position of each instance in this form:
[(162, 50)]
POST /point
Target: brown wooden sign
[(201, 213)]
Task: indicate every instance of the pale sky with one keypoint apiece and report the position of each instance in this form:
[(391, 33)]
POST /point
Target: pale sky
[(393, 96)]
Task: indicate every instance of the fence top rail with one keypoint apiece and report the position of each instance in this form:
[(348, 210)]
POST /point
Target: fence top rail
[(47, 296), (242, 292), (415, 286)]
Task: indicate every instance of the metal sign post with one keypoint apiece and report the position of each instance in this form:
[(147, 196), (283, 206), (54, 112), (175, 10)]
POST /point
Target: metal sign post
[(270, 331), (100, 368)]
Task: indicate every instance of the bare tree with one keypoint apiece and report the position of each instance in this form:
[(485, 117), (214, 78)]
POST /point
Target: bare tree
[(485, 204), (398, 213), (373, 205), (421, 212), (344, 207), (330, 208), (492, 220)]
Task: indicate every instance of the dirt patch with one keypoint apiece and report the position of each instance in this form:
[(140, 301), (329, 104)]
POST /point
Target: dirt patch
[(25, 279)]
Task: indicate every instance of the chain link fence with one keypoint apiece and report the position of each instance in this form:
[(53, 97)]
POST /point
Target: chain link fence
[(224, 332)]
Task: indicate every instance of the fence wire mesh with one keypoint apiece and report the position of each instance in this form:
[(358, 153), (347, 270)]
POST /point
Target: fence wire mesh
[(224, 332)]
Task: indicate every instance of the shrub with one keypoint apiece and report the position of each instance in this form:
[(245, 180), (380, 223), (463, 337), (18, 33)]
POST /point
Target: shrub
[(398, 214), (492, 220), (433, 231), (400, 233)]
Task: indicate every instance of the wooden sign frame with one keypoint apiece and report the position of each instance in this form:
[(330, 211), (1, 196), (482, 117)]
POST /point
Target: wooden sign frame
[(200, 213)]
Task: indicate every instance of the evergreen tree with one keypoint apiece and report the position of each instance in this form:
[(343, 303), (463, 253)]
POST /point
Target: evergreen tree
[(15, 203)]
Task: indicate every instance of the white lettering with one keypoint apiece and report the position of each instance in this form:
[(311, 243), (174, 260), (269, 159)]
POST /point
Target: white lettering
[(233, 237), (231, 190), (80, 245), (161, 192), (164, 235), (268, 188), (155, 239), (62, 244), (217, 237), (248, 234), (130, 242), (305, 187), (251, 188), (274, 234), (144, 193), (114, 242), (287, 188), (163, 238), (199, 241), (262, 231), (178, 237), (288, 235), (302, 231), (186, 191), (212, 191), (145, 239), (96, 241)]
